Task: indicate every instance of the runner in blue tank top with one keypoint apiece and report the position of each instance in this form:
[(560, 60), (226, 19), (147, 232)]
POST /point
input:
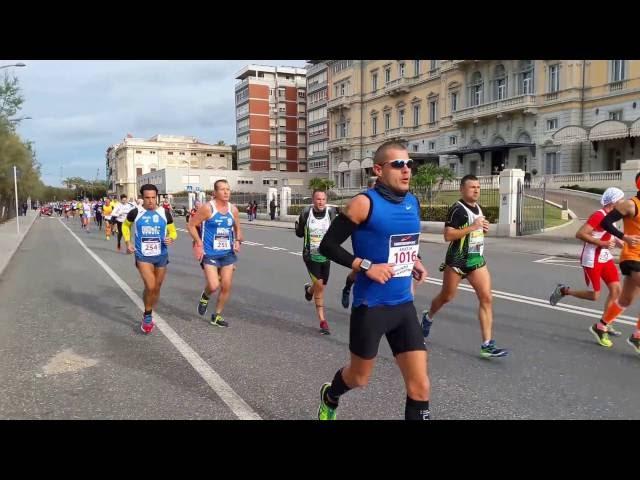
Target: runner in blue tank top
[(215, 246), (384, 225), (154, 230)]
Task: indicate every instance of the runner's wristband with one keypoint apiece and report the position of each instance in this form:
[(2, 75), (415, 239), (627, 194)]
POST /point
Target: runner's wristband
[(331, 246)]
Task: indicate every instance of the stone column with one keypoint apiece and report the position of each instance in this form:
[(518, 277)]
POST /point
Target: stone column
[(630, 169), (509, 201)]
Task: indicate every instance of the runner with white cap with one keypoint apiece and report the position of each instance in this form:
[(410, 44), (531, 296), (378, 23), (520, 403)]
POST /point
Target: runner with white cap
[(598, 264)]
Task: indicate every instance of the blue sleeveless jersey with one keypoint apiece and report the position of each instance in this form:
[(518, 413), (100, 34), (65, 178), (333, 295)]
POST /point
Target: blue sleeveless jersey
[(391, 235), (217, 232), (151, 230)]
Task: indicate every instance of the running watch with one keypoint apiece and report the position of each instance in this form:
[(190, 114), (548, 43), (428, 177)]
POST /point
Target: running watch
[(365, 265)]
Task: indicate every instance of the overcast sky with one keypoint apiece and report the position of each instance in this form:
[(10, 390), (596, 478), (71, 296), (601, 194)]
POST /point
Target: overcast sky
[(79, 108)]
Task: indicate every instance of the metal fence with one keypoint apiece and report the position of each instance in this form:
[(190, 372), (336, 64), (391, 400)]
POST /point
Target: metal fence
[(530, 213), (242, 199)]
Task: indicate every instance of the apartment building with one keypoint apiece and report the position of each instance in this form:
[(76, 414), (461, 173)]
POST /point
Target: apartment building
[(271, 118), (317, 120)]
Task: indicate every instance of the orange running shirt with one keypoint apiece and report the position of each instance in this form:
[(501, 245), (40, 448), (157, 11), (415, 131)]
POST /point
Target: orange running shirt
[(632, 227)]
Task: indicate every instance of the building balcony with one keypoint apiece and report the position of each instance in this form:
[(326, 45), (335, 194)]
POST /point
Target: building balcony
[(398, 86), (397, 132), (243, 129), (340, 143), (314, 87), (317, 121), (446, 65), (344, 101), (617, 86), (514, 104), (242, 84)]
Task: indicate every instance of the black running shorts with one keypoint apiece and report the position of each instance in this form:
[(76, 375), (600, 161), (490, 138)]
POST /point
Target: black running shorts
[(629, 266), (398, 322), (318, 271)]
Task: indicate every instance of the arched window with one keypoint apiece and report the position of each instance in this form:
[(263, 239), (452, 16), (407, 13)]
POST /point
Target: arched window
[(525, 78), (499, 83), (475, 89)]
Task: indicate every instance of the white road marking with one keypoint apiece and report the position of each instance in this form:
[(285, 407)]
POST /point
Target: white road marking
[(246, 242), (540, 302), (558, 262), (275, 249), (254, 227), (296, 253), (237, 405)]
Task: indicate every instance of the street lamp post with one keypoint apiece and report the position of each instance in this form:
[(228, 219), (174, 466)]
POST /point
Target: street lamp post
[(15, 183), (13, 65), (19, 119)]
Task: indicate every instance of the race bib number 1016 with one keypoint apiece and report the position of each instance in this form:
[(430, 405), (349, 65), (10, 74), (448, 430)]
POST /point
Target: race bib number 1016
[(403, 253)]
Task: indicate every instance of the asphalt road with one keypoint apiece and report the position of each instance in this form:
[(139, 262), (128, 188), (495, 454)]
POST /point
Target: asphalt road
[(72, 348)]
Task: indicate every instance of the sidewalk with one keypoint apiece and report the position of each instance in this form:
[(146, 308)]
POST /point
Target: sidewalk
[(9, 240), (535, 244)]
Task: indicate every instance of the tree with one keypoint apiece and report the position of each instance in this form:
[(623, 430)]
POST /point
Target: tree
[(430, 176), (87, 188), (15, 152), (317, 183), (11, 99), (220, 142)]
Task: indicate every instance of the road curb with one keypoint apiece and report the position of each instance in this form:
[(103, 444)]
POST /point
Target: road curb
[(258, 224), (6, 258)]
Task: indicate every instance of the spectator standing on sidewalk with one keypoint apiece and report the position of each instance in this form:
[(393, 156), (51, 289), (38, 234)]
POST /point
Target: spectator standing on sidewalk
[(272, 208), (250, 211)]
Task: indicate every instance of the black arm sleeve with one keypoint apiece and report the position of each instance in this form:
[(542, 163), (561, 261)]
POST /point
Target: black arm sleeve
[(131, 216), (608, 223), (331, 246), (302, 222), (169, 217)]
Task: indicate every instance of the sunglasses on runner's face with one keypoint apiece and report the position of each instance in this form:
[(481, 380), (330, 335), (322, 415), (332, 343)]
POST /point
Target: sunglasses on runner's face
[(399, 163)]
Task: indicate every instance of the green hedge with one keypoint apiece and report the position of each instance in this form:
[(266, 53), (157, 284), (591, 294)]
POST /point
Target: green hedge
[(439, 213), (296, 209), (428, 214), (599, 191)]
